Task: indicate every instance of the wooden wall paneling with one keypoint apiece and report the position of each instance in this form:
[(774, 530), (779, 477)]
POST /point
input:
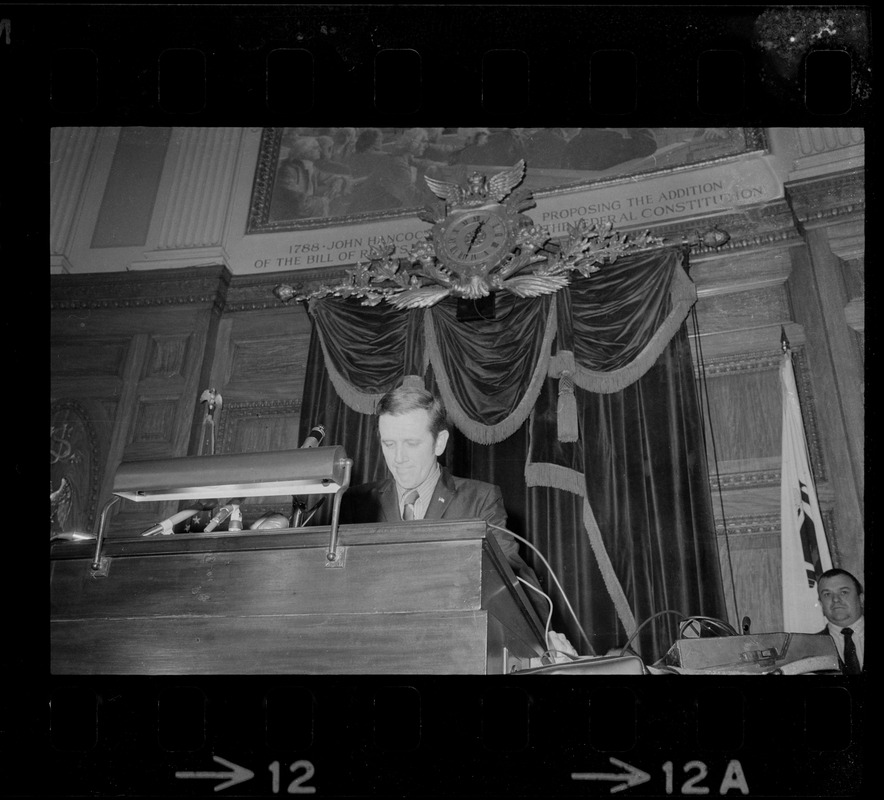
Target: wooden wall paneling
[(267, 354), (755, 559), (133, 346), (826, 281), (258, 368), (740, 317), (745, 415), (743, 310), (837, 380), (212, 377), (742, 302), (162, 411), (742, 307), (260, 426), (87, 358), (122, 423)]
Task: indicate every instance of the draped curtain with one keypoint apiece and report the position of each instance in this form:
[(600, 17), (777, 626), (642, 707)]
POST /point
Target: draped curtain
[(581, 406)]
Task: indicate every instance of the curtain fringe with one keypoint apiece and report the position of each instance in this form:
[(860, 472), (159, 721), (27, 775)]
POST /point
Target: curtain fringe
[(476, 431), (569, 480), (683, 294)]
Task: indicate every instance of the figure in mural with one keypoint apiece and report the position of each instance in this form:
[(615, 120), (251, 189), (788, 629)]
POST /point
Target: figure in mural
[(439, 150), (344, 145), (365, 170), (501, 148), (392, 181), (602, 148), (546, 148), (296, 195)]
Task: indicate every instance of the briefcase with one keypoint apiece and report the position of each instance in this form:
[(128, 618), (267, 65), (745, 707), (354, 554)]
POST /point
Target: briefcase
[(754, 654)]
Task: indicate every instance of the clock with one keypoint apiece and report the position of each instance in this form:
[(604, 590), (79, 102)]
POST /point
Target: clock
[(474, 238)]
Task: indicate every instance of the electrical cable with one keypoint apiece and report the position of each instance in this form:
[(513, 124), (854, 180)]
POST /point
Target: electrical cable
[(549, 617), (555, 579), (635, 633), (719, 627), (550, 650), (704, 392)]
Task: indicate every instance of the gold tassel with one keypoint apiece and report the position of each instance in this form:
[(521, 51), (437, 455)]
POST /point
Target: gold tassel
[(566, 409)]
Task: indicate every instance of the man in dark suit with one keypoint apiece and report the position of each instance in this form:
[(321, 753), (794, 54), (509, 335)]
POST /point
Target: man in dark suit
[(413, 434), (841, 599)]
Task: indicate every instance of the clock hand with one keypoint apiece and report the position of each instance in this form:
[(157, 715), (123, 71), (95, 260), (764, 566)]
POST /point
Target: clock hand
[(475, 236)]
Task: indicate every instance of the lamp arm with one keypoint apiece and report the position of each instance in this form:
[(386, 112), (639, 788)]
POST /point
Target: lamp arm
[(332, 554), (99, 538)]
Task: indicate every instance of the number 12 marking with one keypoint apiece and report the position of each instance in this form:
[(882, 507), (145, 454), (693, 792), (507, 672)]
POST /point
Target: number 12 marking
[(297, 785)]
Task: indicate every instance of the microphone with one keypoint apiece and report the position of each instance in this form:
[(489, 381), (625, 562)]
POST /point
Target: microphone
[(165, 527), (315, 437)]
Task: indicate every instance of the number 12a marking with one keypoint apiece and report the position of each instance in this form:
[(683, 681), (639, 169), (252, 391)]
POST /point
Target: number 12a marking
[(297, 785), (733, 778)]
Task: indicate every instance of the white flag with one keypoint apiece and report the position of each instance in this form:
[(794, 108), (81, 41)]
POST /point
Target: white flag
[(804, 546)]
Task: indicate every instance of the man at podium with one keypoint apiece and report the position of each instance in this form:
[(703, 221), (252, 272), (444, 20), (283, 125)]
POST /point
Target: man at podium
[(413, 434)]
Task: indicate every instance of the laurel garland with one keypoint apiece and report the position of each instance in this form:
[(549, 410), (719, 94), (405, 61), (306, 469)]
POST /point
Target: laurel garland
[(537, 266)]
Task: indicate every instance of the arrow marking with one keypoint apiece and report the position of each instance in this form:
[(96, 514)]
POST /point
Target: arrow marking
[(239, 774), (632, 777)]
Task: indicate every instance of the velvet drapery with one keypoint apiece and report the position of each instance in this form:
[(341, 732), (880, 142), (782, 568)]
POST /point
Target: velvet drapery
[(581, 406)]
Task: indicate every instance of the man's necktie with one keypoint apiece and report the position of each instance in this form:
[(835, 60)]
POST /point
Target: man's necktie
[(410, 499), (851, 661)]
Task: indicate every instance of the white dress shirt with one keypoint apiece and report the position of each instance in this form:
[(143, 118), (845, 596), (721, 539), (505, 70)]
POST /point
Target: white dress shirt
[(859, 638), (425, 493)]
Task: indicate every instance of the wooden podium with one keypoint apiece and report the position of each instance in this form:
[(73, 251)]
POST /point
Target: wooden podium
[(425, 597)]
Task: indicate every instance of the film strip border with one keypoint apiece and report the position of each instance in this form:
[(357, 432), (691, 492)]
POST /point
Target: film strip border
[(504, 62)]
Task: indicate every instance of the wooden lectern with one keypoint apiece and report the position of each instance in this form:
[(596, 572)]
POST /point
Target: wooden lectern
[(426, 597)]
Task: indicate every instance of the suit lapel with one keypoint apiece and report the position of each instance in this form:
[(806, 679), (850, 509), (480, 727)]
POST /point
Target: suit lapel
[(389, 502), (443, 494)]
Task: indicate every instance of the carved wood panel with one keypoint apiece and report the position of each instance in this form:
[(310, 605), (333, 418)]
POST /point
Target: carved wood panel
[(754, 558), (167, 356), (262, 355), (259, 426), (89, 357), (745, 415), (76, 445), (743, 310), (130, 349)]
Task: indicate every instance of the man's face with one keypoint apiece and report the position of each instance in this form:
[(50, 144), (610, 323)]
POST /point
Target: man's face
[(409, 448), (419, 145), (841, 603)]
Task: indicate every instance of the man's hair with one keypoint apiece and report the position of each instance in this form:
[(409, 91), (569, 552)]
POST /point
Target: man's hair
[(832, 573), (413, 398)]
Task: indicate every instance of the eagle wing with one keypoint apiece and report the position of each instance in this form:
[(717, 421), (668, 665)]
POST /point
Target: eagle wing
[(500, 185), (421, 297), (444, 190)]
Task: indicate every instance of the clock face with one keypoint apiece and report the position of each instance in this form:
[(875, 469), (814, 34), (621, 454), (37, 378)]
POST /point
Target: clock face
[(478, 237)]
